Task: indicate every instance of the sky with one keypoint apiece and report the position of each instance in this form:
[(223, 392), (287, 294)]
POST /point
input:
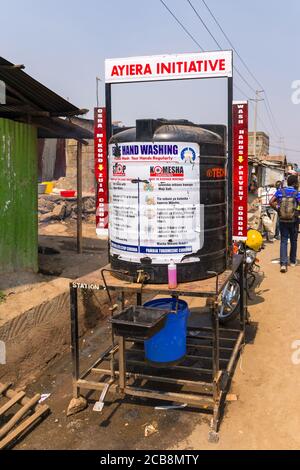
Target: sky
[(64, 43)]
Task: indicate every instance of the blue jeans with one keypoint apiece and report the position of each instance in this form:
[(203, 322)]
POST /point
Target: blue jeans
[(277, 229), (288, 230)]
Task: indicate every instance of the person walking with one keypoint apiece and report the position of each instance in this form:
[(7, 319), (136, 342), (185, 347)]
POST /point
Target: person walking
[(278, 185), (286, 201)]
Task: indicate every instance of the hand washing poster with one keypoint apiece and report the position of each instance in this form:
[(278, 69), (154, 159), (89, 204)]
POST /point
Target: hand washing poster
[(154, 205)]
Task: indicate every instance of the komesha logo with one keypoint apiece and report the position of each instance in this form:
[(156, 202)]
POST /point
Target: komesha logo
[(188, 155), (167, 171)]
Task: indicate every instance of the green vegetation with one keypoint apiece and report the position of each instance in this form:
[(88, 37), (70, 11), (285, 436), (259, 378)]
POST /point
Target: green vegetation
[(2, 296)]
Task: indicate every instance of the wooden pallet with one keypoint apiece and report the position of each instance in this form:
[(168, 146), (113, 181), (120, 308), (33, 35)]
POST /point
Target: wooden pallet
[(27, 413)]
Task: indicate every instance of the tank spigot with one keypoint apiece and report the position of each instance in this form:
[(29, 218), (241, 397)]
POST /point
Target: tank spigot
[(143, 277)]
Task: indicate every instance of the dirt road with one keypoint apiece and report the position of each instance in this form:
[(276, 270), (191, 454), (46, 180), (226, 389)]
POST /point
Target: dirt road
[(267, 381)]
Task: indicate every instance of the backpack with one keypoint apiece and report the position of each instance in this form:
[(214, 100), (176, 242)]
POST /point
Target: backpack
[(288, 206)]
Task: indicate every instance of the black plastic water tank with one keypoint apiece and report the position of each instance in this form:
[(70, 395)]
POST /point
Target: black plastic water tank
[(152, 181)]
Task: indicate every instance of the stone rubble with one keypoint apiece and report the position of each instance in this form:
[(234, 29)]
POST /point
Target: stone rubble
[(56, 208)]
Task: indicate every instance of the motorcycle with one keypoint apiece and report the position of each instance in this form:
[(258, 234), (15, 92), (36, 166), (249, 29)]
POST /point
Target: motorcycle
[(231, 295)]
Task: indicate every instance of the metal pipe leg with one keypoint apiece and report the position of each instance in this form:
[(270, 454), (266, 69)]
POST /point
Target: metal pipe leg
[(122, 365), (216, 370), (216, 339), (243, 314), (74, 340)]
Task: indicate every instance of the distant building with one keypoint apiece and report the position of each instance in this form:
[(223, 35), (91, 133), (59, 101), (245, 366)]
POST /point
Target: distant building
[(277, 160), (58, 158), (262, 144)]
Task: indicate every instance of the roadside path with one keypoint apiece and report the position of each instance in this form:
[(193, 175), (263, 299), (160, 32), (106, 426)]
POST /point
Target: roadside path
[(267, 414)]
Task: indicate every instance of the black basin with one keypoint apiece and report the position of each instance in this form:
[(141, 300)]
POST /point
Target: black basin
[(139, 322)]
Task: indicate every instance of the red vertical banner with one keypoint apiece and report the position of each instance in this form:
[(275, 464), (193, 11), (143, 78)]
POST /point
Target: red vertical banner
[(240, 170), (101, 171)]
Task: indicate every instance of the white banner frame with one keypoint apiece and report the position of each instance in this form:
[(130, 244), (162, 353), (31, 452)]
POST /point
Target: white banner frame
[(214, 64)]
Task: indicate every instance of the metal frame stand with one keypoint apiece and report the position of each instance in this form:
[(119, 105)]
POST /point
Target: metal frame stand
[(201, 380)]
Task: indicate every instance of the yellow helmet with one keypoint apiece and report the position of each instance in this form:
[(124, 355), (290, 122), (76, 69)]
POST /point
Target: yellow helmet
[(254, 240)]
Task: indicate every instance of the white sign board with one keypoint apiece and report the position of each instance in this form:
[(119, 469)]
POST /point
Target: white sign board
[(157, 215), (270, 176), (169, 67)]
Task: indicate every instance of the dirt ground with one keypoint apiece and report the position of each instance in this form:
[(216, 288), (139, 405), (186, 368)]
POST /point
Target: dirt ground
[(267, 379), (34, 309), (267, 382), (63, 261)]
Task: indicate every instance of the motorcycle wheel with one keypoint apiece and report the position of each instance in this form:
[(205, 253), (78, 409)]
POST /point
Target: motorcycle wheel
[(230, 302)]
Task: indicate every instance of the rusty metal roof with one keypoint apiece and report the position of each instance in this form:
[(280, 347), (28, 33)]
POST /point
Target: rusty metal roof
[(276, 159), (60, 129), (28, 97)]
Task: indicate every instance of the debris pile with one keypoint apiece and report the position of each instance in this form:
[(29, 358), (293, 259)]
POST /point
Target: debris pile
[(18, 414), (56, 208)]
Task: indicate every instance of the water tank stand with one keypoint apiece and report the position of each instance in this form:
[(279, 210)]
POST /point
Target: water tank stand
[(206, 386)]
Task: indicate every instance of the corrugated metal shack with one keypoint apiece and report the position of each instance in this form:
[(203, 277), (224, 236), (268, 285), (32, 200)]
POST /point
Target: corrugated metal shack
[(18, 201), (29, 111)]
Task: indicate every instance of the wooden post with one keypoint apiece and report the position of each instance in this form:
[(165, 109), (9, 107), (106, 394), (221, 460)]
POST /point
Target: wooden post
[(122, 364), (79, 197)]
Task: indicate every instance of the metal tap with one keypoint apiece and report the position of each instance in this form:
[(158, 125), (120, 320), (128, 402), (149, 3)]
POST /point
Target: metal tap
[(143, 277)]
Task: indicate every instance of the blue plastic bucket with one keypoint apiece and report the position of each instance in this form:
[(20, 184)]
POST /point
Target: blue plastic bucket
[(170, 344)]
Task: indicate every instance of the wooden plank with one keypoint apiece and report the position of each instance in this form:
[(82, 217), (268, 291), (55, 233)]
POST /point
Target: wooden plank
[(90, 385), (23, 427), (13, 421), (206, 287), (205, 387), (4, 388), (203, 401), (23, 401), (11, 402)]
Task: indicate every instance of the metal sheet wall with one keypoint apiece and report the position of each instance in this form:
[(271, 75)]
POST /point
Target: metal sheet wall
[(18, 197)]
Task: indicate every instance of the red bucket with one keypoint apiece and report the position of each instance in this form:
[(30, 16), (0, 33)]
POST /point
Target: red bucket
[(68, 193)]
